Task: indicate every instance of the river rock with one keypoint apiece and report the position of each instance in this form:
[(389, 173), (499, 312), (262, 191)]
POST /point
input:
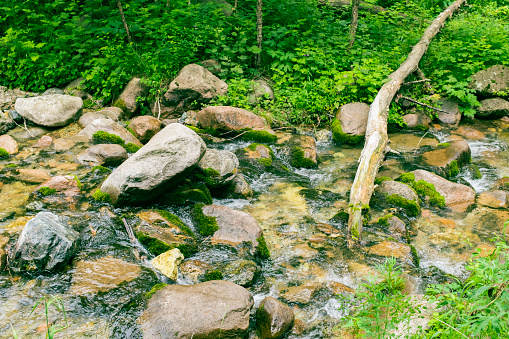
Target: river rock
[(45, 243), (127, 99), (3, 252), (492, 108), (453, 115), (65, 184), (447, 161), (260, 91), (225, 163), (457, 196), (194, 270), (273, 318), (491, 80), (303, 151), (387, 188), (101, 275), (193, 84), (494, 199), (44, 142), (391, 249), (6, 124), (241, 272), (302, 293), (235, 227), (468, 133), (103, 154), (109, 126), (113, 113), (240, 187), (145, 127), (167, 263), (162, 163), (31, 176), (8, 97), (9, 144), (213, 309), (50, 110), (227, 118), (353, 118), (418, 120)]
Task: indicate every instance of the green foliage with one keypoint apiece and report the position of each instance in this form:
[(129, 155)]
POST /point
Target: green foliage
[(259, 136), (3, 153), (410, 206), (206, 225), (197, 130), (213, 275), (101, 196), (262, 249), (58, 304), (443, 145), (44, 191), (344, 138), (299, 158), (153, 290), (11, 166)]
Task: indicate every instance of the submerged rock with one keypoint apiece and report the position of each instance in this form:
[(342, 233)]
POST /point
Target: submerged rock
[(45, 243), (162, 163), (391, 249), (194, 270), (273, 318), (457, 196), (448, 161), (241, 187), (213, 309), (494, 199), (103, 154), (50, 110), (32, 176), (242, 272)]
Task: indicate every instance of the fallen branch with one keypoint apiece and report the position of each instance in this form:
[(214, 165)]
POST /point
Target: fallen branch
[(422, 104), (376, 143), (421, 75), (415, 82)]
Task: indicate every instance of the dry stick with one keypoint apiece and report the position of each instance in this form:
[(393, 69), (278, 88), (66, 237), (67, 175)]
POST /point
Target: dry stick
[(355, 20), (376, 142), (422, 104), (259, 31), (132, 238), (422, 76), (415, 82), (119, 5)]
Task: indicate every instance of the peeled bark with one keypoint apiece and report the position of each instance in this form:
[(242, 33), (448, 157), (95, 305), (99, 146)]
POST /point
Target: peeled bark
[(376, 144)]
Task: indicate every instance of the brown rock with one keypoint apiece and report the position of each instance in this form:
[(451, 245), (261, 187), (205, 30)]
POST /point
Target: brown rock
[(63, 144), (440, 160), (469, 133), (103, 154), (339, 288), (235, 227), (387, 188), (44, 142), (194, 270), (396, 226), (391, 249), (260, 152), (66, 184), (9, 144), (353, 118), (273, 318), (457, 196), (494, 199), (301, 294), (241, 187), (213, 309), (329, 230), (3, 253), (226, 118), (127, 100), (145, 127), (32, 176)]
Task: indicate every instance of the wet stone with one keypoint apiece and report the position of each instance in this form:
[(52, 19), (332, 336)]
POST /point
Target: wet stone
[(301, 294), (32, 176), (167, 263), (103, 154), (273, 318), (494, 199), (194, 270), (391, 249), (8, 144), (241, 272), (44, 142)]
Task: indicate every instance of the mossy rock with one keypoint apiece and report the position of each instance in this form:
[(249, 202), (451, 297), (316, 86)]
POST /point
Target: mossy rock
[(425, 190), (260, 136), (384, 221), (109, 138), (379, 180), (453, 169), (120, 104), (344, 138), (207, 226), (410, 206), (213, 275), (153, 290), (101, 196), (299, 159), (4, 154), (262, 250), (100, 169), (45, 191), (476, 173), (188, 195)]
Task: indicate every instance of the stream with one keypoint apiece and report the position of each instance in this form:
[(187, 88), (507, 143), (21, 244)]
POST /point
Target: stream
[(102, 290)]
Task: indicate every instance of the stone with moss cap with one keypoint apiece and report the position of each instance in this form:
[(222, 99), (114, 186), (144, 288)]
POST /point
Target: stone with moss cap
[(400, 195), (219, 167), (350, 124), (446, 161), (260, 153), (301, 150), (111, 128), (424, 189), (159, 165)]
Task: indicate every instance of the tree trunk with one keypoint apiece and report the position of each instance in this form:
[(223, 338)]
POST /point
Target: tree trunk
[(119, 5), (353, 23), (259, 31), (376, 144)]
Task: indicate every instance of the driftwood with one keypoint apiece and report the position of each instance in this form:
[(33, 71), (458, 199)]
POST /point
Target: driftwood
[(376, 144)]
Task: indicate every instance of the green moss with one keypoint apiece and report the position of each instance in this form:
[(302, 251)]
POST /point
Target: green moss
[(410, 206), (120, 104), (443, 145), (88, 103), (153, 245), (299, 160), (262, 249), (453, 169), (78, 183), (379, 180), (213, 275), (475, 171), (44, 191), (131, 131), (197, 130), (210, 176), (259, 136), (131, 148), (3, 153), (407, 177), (415, 256), (190, 195), (11, 166), (206, 225), (355, 231), (105, 137), (254, 146), (101, 169), (384, 221), (424, 188), (100, 196), (154, 289), (265, 162), (176, 221), (344, 138)]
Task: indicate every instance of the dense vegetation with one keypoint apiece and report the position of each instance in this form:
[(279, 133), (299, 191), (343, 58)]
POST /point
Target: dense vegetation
[(304, 54)]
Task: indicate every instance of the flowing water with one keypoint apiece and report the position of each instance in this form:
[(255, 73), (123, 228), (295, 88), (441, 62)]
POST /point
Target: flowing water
[(102, 289)]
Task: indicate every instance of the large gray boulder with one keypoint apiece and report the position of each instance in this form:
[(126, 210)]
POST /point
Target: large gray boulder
[(162, 163), (260, 91), (273, 318), (193, 85), (491, 80), (225, 163), (8, 97), (54, 110), (45, 243), (109, 126), (492, 108), (213, 309)]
